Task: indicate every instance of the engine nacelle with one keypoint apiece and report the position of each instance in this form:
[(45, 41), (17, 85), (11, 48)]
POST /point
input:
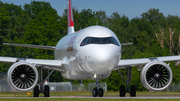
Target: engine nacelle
[(156, 76), (22, 76)]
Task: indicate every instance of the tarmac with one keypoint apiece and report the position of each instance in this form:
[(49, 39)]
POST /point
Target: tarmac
[(138, 97)]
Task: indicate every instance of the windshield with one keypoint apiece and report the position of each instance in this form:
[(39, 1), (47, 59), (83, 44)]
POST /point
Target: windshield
[(94, 40)]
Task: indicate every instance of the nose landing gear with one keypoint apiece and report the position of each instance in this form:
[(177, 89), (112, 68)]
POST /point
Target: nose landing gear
[(97, 91)]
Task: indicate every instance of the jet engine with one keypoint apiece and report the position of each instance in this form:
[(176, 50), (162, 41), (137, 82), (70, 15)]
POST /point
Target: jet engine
[(22, 76), (156, 76)]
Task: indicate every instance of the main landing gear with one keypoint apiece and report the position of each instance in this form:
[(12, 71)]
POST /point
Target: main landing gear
[(131, 90), (41, 88), (97, 91)]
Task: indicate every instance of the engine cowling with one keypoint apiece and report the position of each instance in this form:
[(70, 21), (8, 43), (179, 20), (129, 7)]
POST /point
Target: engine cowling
[(156, 76), (22, 76)]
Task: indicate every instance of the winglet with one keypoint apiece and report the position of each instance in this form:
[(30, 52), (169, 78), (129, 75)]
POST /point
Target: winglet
[(70, 17)]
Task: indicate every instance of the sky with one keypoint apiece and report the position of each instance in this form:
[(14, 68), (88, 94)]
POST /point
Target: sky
[(130, 8)]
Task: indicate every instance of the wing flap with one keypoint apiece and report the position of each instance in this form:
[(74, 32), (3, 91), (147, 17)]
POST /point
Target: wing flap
[(31, 46), (48, 64), (143, 61), (133, 62), (169, 58), (8, 59), (41, 62)]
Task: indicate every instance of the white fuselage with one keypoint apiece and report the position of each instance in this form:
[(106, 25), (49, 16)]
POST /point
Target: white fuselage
[(83, 62)]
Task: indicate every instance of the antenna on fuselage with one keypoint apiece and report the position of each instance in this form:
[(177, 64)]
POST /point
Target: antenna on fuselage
[(96, 23)]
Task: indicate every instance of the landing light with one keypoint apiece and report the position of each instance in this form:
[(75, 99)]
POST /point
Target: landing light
[(94, 75)]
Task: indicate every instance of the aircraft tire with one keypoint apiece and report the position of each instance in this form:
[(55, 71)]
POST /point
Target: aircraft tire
[(133, 91), (46, 91), (94, 92), (36, 91), (122, 91), (101, 92)]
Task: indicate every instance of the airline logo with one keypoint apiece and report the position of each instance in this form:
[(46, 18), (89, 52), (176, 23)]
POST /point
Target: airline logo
[(70, 44)]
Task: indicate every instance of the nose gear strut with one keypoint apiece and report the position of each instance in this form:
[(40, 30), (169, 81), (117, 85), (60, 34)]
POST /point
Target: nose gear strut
[(97, 91)]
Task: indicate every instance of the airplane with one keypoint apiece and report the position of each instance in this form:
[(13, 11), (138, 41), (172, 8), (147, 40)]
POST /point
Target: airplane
[(91, 53)]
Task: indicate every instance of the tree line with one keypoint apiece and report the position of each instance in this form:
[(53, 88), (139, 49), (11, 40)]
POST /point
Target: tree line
[(38, 23)]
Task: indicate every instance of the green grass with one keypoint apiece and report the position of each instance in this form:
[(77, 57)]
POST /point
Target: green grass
[(64, 94), (80, 99), (24, 94)]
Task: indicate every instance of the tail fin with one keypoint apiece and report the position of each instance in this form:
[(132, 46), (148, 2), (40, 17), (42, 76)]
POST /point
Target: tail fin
[(70, 17)]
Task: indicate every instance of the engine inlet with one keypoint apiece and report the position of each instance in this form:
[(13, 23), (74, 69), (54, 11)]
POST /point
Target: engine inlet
[(22, 76), (156, 76)]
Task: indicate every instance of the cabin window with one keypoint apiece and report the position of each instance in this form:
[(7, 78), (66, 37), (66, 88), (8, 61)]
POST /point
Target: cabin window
[(95, 40)]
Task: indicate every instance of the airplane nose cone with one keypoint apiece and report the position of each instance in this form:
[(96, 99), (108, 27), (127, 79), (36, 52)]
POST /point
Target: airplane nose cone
[(102, 59)]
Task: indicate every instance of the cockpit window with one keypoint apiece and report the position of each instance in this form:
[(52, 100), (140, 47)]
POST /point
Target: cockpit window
[(93, 40)]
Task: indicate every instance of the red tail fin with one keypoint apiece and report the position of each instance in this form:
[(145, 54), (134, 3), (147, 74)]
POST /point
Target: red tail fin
[(70, 18)]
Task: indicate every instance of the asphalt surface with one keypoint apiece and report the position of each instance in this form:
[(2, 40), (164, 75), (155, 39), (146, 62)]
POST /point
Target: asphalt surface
[(111, 97)]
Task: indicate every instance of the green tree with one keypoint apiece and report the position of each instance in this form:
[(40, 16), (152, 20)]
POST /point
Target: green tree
[(156, 18)]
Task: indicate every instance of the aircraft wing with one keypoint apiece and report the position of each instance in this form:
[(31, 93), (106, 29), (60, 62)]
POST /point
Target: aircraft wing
[(31, 46), (48, 64), (125, 44), (142, 61)]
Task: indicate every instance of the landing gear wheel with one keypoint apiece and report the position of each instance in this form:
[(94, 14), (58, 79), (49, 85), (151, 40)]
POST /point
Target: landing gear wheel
[(122, 91), (94, 92), (101, 92), (133, 91), (36, 91), (46, 91)]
